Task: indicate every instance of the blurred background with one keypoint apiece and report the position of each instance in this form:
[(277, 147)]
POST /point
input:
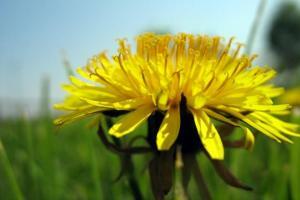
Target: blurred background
[(41, 42)]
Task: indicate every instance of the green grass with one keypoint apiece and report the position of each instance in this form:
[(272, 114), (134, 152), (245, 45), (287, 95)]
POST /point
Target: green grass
[(37, 161)]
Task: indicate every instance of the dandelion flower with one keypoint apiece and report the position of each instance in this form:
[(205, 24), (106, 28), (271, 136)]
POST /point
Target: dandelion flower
[(177, 76)]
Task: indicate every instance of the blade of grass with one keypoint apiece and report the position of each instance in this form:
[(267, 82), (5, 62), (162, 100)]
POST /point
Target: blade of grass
[(94, 168), (254, 27), (295, 165), (295, 173), (8, 171), (31, 167), (66, 63), (278, 170)]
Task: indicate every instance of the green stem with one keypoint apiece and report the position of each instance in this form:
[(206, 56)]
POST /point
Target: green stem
[(182, 176)]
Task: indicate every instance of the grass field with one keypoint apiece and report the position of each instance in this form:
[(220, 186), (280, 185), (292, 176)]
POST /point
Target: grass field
[(37, 161)]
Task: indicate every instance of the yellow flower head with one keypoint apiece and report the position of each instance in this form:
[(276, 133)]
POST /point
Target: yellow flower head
[(168, 73)]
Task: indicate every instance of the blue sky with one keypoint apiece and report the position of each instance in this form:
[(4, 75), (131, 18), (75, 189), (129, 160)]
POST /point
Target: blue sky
[(33, 33)]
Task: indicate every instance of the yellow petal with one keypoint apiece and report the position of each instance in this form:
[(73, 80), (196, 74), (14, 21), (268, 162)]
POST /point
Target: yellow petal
[(131, 121), (249, 139), (248, 121), (162, 100), (77, 115), (72, 103), (128, 104), (281, 125), (197, 101), (209, 135), (268, 108), (77, 82), (220, 117), (91, 92), (268, 128), (169, 129)]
